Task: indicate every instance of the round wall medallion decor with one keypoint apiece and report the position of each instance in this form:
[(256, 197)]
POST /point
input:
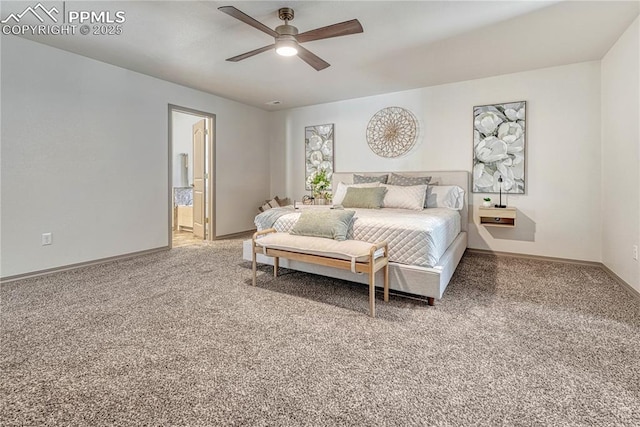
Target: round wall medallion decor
[(392, 132)]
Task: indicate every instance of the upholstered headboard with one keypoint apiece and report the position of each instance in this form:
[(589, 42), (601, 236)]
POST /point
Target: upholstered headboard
[(459, 178)]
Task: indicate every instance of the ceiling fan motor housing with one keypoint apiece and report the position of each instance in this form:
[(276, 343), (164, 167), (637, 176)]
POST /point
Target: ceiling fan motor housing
[(286, 32), (286, 41), (286, 14)]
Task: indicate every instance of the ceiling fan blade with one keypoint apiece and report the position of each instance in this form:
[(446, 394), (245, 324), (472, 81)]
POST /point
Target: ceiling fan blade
[(251, 53), (335, 30), (312, 59), (232, 11)]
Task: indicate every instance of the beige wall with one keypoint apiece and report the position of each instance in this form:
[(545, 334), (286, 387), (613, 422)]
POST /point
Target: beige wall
[(621, 155), (85, 157), (559, 216)]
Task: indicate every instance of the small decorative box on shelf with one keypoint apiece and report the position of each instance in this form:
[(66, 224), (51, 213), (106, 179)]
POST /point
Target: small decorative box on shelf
[(497, 217)]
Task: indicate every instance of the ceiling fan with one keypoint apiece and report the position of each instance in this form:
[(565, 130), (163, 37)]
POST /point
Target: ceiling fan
[(287, 40)]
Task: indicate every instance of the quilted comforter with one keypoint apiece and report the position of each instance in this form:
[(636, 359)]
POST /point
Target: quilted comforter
[(414, 237)]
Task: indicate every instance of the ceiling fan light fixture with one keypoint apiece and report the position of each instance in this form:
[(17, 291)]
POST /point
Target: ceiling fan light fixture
[(287, 47), (287, 40)]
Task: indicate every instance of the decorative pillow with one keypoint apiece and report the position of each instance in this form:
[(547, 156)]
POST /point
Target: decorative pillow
[(405, 196), (269, 204), (341, 190), (264, 207), (367, 198), (426, 199), (396, 179), (445, 196), (283, 202), (359, 179), (329, 223)]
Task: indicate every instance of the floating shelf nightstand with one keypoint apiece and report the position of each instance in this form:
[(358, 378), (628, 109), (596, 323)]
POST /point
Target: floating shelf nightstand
[(497, 217)]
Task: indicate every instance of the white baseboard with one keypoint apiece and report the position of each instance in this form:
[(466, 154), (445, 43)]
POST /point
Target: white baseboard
[(81, 264), (627, 287), (632, 291), (239, 235), (242, 234)]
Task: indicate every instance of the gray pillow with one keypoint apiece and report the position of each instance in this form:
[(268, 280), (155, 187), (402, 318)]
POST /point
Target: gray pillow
[(396, 179), (367, 198), (361, 179), (329, 223), (429, 201)]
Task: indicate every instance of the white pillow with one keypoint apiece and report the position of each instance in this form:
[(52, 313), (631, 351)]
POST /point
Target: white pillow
[(405, 196), (445, 196), (341, 190)]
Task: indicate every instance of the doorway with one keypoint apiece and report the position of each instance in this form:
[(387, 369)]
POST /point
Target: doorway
[(191, 176)]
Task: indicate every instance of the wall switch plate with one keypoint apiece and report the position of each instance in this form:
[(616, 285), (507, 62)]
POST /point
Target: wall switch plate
[(47, 239), (635, 252)]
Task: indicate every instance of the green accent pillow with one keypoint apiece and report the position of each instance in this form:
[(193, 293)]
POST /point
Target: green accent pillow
[(329, 223), (367, 198)]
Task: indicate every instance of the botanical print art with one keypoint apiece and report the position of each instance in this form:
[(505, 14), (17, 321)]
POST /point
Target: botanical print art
[(499, 147), (318, 153)]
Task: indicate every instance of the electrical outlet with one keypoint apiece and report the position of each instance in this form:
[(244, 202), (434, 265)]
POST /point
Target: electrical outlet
[(47, 239), (635, 252)]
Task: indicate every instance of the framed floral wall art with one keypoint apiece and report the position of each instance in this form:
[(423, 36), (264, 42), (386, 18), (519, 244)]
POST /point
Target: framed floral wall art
[(318, 152), (499, 132)]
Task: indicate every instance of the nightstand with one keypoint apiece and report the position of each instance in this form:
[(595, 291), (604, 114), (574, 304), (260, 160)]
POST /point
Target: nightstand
[(497, 217)]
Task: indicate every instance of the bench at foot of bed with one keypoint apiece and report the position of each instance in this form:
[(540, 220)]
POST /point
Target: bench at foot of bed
[(354, 255)]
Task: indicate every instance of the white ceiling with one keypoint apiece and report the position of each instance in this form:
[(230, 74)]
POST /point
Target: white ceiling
[(405, 45)]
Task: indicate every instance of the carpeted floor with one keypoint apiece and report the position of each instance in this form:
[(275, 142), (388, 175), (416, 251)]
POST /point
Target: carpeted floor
[(180, 338)]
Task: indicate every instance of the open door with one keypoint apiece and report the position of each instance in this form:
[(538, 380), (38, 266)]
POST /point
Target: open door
[(191, 132), (199, 144)]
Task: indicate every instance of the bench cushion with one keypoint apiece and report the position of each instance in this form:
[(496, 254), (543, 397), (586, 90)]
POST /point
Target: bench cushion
[(345, 249)]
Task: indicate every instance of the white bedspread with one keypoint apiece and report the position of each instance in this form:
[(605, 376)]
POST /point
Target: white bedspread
[(414, 237)]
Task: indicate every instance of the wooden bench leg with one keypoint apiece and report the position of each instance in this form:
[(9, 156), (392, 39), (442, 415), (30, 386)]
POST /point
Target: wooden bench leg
[(386, 282), (372, 288), (253, 265), (276, 264), (431, 301)]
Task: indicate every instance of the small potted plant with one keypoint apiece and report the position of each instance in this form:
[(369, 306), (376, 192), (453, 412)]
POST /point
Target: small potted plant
[(486, 202), (328, 197), (320, 184)]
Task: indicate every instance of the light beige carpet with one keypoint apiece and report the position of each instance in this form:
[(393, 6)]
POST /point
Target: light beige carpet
[(180, 338)]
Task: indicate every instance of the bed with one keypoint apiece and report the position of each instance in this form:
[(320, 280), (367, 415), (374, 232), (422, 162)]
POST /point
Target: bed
[(425, 246)]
